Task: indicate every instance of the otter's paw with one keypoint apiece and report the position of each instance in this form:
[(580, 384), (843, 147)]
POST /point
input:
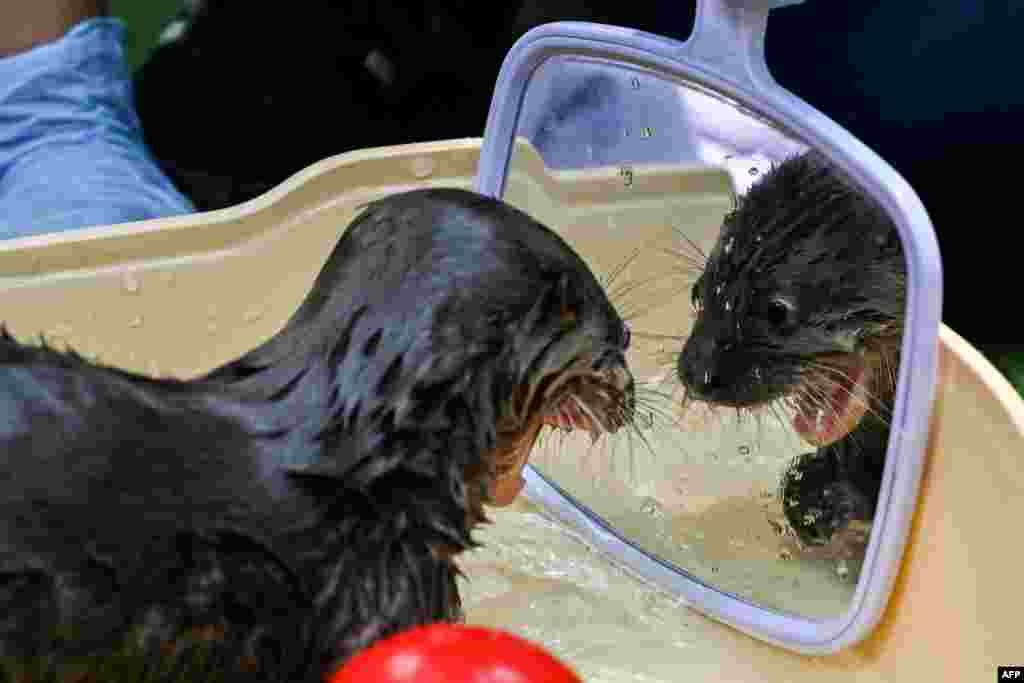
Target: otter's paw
[(817, 503)]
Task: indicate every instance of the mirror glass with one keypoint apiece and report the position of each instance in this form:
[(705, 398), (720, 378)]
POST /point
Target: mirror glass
[(765, 295)]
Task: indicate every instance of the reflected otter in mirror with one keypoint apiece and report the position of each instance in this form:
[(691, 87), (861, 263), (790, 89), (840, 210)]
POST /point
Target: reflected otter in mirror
[(799, 309), (293, 506)]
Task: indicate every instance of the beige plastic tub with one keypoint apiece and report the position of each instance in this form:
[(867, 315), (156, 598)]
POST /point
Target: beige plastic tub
[(177, 296)]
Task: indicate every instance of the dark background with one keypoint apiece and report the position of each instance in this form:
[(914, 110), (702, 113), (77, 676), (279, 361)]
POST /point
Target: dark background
[(250, 96)]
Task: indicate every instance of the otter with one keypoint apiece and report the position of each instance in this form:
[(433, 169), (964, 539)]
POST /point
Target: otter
[(800, 304), (289, 508)]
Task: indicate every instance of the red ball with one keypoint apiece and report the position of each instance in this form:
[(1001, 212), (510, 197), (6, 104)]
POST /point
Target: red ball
[(451, 653)]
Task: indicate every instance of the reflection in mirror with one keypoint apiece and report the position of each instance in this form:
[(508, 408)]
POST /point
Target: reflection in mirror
[(766, 296)]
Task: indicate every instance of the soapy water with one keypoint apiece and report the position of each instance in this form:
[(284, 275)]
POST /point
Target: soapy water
[(536, 578), (540, 579)]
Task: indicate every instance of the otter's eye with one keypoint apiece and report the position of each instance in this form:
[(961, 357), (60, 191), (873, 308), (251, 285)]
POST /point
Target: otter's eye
[(781, 312)]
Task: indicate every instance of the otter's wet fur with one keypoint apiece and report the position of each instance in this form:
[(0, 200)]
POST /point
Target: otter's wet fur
[(805, 287), (297, 504)]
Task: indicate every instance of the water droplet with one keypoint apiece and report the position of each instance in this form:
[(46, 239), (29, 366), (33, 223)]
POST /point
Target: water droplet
[(130, 283), (651, 507), (422, 167), (135, 322), (785, 554), (718, 289), (842, 569), (744, 450), (253, 314), (728, 305), (753, 170), (728, 245)]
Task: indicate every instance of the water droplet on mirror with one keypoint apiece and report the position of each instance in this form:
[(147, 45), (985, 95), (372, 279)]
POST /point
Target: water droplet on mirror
[(651, 507), (842, 569)]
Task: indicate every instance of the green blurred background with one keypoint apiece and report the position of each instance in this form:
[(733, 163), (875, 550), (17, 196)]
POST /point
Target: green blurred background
[(145, 21)]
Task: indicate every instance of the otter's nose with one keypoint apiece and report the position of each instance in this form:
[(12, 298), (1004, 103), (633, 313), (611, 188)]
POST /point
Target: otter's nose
[(697, 367)]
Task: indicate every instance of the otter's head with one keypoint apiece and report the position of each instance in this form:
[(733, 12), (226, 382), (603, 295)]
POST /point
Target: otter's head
[(456, 327), (801, 300)]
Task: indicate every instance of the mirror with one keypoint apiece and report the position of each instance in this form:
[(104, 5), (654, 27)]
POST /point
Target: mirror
[(765, 293)]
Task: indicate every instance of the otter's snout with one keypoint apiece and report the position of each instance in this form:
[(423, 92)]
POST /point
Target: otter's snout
[(699, 370)]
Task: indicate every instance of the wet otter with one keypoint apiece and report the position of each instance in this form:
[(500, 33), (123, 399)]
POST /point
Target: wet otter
[(800, 305), (293, 506)]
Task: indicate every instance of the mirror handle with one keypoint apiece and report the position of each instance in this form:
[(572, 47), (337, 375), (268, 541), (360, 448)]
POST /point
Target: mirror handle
[(728, 35)]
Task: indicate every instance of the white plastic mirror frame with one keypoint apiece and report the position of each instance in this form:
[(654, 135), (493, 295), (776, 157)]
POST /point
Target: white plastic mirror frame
[(725, 54)]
